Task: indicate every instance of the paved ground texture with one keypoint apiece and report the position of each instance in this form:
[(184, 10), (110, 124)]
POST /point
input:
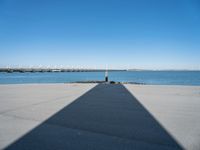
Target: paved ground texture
[(99, 117)]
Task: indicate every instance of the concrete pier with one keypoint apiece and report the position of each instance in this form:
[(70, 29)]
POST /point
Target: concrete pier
[(99, 117)]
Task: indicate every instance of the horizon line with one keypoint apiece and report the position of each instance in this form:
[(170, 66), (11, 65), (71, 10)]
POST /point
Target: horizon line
[(91, 68)]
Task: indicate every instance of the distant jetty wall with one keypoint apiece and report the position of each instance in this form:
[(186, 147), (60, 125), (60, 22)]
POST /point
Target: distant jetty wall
[(23, 70)]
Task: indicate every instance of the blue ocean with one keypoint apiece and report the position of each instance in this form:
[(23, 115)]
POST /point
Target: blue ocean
[(145, 77)]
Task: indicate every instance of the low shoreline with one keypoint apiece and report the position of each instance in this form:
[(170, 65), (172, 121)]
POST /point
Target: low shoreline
[(109, 82)]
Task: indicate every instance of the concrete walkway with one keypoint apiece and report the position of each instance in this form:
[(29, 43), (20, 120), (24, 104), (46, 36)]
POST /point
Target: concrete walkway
[(90, 116)]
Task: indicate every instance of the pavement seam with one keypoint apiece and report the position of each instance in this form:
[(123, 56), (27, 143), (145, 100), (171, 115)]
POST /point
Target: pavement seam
[(110, 135), (18, 117), (35, 104), (43, 102), (85, 130)]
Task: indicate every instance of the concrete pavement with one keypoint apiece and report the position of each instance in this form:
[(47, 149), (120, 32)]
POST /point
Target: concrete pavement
[(90, 116)]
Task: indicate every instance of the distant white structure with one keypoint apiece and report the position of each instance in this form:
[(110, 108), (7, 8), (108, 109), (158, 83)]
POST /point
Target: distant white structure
[(56, 70)]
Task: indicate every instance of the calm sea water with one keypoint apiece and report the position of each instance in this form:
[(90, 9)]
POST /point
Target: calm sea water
[(146, 77)]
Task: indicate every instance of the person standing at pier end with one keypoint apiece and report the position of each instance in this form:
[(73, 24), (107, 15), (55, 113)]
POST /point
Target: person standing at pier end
[(106, 76)]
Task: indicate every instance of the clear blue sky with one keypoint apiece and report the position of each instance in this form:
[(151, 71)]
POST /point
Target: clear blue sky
[(147, 34)]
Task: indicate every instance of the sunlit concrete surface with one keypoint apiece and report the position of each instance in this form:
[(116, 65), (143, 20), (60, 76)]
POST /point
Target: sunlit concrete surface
[(23, 107), (177, 108), (91, 116)]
